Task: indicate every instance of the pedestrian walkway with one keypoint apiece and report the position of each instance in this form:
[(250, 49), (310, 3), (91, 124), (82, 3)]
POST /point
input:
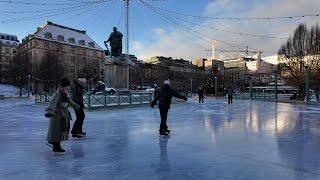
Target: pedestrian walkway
[(214, 140)]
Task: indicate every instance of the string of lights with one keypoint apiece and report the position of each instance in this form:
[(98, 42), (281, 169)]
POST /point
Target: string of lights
[(46, 15), (185, 27), (244, 18), (48, 4), (49, 10), (216, 29)]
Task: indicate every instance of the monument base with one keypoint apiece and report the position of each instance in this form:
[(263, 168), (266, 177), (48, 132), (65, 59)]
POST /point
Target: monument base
[(116, 73)]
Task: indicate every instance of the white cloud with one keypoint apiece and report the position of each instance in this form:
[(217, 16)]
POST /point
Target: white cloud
[(180, 43)]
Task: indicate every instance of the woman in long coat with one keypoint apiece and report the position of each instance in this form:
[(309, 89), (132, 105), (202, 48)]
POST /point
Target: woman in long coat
[(57, 111)]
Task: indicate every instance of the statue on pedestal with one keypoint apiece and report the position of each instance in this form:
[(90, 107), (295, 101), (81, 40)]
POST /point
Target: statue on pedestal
[(115, 40)]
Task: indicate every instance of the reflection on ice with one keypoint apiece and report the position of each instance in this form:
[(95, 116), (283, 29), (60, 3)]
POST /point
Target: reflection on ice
[(262, 140)]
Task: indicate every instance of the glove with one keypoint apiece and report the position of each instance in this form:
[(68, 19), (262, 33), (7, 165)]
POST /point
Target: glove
[(48, 115)]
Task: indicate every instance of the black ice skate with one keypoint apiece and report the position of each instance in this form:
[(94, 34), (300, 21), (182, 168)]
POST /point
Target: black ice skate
[(164, 132), (78, 136)]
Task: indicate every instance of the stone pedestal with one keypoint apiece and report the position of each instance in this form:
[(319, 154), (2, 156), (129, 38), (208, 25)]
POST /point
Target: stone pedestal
[(116, 73)]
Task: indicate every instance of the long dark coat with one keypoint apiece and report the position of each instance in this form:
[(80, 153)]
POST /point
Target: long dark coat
[(57, 111)]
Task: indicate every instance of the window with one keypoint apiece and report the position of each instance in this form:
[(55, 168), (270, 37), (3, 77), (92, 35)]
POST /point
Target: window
[(14, 51), (7, 50), (61, 38), (72, 50), (46, 44), (8, 42), (7, 38), (2, 36), (83, 51), (91, 44), (12, 38), (82, 42), (0, 42), (72, 40), (36, 43), (48, 35)]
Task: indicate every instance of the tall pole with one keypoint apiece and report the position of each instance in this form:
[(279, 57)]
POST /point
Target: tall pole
[(127, 40), (307, 83)]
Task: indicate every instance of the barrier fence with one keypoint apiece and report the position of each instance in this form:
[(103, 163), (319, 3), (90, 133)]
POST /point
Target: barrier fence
[(94, 101)]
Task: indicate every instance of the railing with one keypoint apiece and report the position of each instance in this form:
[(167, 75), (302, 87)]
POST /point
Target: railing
[(94, 101), (262, 96), (13, 94)]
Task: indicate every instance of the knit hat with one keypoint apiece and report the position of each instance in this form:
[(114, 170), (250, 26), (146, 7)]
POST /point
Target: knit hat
[(167, 82), (65, 82)]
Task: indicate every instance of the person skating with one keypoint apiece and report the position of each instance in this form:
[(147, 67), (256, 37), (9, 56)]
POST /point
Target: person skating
[(164, 97), (57, 111), (230, 94), (201, 95), (77, 97)]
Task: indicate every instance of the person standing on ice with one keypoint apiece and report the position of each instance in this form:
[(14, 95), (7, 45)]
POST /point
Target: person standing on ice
[(230, 94), (77, 97), (57, 111), (164, 97), (200, 94)]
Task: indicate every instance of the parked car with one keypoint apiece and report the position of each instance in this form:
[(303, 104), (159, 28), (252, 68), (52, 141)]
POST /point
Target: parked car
[(101, 88)]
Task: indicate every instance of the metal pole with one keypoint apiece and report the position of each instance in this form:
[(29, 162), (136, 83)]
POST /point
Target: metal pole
[(191, 87), (216, 86), (250, 88), (276, 85), (307, 83), (28, 85), (127, 40)]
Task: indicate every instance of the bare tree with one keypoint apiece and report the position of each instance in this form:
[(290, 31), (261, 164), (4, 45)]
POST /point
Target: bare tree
[(50, 70), (301, 50)]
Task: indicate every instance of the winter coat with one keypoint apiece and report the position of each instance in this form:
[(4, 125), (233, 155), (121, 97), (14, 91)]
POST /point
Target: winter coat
[(201, 93), (231, 92), (164, 96), (57, 111), (77, 94), (156, 91)]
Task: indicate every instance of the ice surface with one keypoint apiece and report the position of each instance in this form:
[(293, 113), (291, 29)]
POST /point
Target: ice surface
[(246, 140)]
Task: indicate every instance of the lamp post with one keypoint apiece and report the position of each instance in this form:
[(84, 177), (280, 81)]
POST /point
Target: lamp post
[(307, 68), (216, 86)]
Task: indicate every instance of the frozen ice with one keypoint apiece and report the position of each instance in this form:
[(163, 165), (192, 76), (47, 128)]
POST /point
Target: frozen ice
[(214, 140)]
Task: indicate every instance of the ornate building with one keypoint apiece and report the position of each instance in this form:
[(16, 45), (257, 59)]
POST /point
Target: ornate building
[(8, 50), (182, 73), (55, 50)]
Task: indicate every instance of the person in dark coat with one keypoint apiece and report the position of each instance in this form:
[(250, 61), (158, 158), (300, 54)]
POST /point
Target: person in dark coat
[(230, 94), (164, 97), (201, 95), (156, 90), (77, 96), (57, 111)]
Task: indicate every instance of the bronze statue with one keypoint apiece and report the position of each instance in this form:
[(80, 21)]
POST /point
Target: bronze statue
[(115, 40)]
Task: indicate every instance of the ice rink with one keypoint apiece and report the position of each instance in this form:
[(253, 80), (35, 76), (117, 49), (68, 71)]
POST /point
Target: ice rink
[(214, 140)]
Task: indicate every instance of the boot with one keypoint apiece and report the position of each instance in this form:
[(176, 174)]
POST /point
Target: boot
[(57, 148), (163, 132)]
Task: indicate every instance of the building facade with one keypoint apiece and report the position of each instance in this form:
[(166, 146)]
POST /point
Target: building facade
[(183, 75), (55, 50), (8, 50)]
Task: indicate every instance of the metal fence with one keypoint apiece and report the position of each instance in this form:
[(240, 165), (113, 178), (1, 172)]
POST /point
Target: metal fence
[(14, 94), (94, 101)]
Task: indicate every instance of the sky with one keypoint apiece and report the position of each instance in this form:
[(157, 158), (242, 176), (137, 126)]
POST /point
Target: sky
[(168, 27)]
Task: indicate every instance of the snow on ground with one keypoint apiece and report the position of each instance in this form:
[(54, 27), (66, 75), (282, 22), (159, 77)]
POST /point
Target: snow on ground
[(214, 140), (9, 90)]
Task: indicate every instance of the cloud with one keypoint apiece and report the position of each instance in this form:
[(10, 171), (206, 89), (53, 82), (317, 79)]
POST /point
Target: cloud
[(189, 45)]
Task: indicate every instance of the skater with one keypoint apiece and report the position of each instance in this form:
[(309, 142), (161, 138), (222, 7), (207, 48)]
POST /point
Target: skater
[(230, 93), (57, 111), (164, 96), (77, 97), (156, 90), (201, 95)]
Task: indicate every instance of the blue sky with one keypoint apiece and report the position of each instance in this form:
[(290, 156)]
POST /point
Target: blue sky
[(150, 35)]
